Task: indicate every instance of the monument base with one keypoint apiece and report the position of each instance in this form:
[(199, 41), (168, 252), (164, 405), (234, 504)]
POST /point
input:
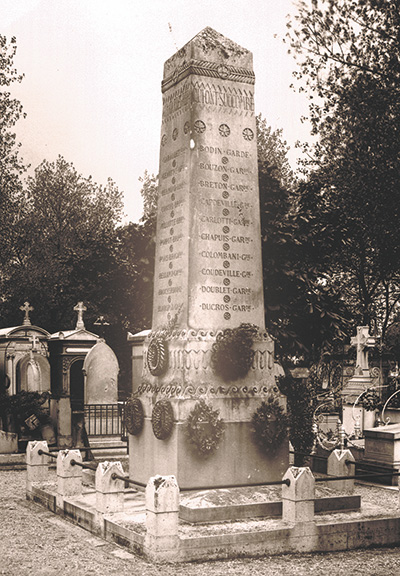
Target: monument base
[(238, 461)]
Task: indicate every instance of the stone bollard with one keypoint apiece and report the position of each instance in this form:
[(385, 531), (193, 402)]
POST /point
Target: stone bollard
[(298, 498), (109, 492), (69, 476), (37, 465), (341, 463), (162, 510)]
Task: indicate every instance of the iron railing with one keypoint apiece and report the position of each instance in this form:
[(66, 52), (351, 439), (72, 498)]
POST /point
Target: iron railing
[(104, 419)]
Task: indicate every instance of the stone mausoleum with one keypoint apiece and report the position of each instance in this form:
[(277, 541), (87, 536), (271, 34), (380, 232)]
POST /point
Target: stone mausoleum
[(208, 278), (24, 363), (76, 367)]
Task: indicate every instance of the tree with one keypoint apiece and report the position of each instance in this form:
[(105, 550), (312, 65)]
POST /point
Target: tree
[(302, 313), (272, 151), (349, 62), (149, 194), (11, 166), (131, 309), (65, 249)]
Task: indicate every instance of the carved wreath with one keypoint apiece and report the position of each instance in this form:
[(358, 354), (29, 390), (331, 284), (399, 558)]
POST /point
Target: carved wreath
[(269, 425), (232, 353), (162, 419), (134, 416), (204, 428), (157, 359)]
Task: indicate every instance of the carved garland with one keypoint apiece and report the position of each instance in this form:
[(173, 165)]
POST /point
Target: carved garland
[(162, 419), (134, 416), (204, 428), (232, 353), (157, 359), (269, 425)]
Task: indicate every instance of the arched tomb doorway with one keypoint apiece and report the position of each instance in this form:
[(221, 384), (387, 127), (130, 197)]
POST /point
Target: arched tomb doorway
[(77, 385)]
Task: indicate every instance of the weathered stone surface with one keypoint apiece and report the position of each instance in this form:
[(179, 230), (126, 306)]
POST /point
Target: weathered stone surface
[(382, 444), (69, 476), (37, 465), (162, 494), (208, 258), (101, 375), (162, 517), (109, 490)]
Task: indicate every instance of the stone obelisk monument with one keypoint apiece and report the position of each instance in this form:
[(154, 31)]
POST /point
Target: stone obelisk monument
[(208, 273)]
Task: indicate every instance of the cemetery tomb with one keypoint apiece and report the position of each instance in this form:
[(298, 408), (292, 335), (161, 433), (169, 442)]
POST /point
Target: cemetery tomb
[(68, 349)]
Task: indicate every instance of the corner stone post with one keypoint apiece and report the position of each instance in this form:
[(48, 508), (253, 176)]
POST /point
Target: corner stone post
[(37, 465), (341, 463), (298, 498), (69, 476), (109, 492), (162, 511)]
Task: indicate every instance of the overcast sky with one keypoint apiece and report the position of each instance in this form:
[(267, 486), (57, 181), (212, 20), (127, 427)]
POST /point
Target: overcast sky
[(93, 71)]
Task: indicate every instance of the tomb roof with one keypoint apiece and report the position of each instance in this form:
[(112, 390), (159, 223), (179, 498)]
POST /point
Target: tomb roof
[(80, 334), (22, 330)]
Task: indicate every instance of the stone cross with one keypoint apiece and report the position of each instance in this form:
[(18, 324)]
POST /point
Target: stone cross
[(362, 341), (80, 308), (26, 308), (34, 340)]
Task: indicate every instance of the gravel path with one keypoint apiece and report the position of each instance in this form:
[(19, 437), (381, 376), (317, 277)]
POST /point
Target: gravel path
[(35, 542)]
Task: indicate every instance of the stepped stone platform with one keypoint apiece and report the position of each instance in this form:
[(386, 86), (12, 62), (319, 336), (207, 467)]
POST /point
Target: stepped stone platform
[(212, 524)]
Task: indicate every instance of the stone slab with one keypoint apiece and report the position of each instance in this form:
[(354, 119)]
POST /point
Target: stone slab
[(382, 445), (263, 509)]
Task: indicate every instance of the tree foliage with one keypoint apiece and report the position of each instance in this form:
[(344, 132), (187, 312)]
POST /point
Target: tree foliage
[(11, 166), (272, 151), (65, 246), (302, 311), (349, 63)]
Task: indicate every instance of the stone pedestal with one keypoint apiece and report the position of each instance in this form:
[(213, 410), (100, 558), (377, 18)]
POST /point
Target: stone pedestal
[(238, 460)]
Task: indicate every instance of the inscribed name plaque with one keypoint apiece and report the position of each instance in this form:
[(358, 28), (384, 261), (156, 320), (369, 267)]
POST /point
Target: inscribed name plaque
[(208, 259)]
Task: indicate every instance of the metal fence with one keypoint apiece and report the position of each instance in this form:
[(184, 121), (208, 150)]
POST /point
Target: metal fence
[(104, 419)]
